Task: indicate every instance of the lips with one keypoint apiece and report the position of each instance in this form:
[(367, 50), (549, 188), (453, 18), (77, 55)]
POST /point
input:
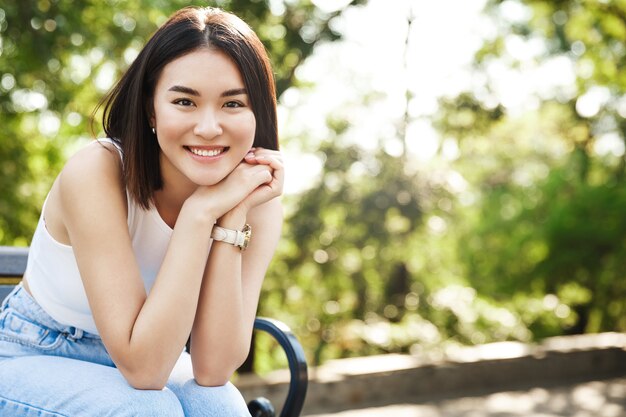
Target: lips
[(206, 152)]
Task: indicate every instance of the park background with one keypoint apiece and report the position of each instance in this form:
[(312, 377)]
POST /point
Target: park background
[(456, 169)]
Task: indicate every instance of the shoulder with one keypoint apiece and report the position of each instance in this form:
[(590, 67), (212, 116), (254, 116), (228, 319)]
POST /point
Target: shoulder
[(95, 170), (93, 157), (98, 162)]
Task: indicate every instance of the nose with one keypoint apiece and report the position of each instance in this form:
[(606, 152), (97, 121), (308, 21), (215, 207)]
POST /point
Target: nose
[(208, 125)]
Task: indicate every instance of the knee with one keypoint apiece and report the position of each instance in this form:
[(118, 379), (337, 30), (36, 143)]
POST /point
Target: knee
[(224, 400)]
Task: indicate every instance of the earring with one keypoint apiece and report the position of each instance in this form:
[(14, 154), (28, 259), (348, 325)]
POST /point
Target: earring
[(153, 131)]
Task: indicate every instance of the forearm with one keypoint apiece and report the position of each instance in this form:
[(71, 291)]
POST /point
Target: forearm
[(165, 319), (222, 329), (212, 298)]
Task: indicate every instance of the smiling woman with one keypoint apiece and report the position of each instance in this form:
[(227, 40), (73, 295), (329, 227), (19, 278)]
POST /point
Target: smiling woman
[(142, 236), (217, 32), (211, 123)]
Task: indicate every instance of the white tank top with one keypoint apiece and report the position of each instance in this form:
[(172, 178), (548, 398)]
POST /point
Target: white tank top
[(53, 276)]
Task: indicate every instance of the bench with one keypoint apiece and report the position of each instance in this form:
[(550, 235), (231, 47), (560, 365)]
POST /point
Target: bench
[(12, 267)]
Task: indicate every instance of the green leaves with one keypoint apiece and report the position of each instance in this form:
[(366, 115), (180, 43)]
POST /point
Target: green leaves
[(59, 57), (548, 219)]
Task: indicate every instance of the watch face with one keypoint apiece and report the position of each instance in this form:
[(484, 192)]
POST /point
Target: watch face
[(247, 234)]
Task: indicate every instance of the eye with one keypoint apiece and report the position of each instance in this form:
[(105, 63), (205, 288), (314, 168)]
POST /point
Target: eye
[(183, 102), (233, 104)]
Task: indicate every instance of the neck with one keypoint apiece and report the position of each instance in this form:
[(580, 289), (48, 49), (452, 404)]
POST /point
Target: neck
[(170, 198), (168, 203)]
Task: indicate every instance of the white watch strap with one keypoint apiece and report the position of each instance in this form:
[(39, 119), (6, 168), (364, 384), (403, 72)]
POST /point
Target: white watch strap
[(227, 235), (239, 238)]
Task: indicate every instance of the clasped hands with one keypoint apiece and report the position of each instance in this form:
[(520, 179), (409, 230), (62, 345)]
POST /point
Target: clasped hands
[(257, 179)]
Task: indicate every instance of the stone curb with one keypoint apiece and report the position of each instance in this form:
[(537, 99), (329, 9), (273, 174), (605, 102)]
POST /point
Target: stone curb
[(387, 379)]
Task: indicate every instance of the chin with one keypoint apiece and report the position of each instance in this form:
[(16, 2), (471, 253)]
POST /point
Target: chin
[(206, 180)]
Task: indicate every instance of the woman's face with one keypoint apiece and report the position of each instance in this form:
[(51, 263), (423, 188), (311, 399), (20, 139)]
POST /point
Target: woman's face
[(203, 119)]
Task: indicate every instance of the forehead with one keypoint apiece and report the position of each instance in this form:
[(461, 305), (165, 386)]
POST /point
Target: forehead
[(201, 70)]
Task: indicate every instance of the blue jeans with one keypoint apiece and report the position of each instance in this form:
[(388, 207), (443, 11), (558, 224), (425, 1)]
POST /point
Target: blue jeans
[(48, 369)]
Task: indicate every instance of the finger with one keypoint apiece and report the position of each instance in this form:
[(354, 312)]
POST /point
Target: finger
[(278, 171), (263, 174), (271, 160), (255, 157), (278, 178), (250, 157), (265, 152), (268, 152)]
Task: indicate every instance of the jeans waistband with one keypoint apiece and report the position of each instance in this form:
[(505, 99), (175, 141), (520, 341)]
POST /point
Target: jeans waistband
[(24, 303)]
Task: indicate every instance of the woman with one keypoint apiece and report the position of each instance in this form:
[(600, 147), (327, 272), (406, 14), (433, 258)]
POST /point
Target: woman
[(142, 236)]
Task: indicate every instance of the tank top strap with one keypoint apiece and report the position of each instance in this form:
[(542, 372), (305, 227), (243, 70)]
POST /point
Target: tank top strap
[(114, 143)]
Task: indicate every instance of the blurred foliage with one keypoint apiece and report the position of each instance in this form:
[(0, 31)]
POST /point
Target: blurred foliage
[(548, 222), (59, 57), (346, 249), (520, 237)]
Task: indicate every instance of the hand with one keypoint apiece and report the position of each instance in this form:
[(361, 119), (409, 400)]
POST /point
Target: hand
[(221, 198), (269, 190)]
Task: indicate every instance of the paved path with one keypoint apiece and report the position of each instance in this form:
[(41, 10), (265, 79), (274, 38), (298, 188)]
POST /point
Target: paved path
[(590, 399)]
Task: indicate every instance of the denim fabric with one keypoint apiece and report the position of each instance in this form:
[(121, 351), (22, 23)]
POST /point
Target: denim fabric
[(48, 369)]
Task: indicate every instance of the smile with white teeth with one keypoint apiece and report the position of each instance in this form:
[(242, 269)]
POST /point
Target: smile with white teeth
[(206, 152)]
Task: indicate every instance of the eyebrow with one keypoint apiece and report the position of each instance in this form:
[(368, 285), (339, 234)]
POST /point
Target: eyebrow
[(192, 92), (184, 90), (234, 92)]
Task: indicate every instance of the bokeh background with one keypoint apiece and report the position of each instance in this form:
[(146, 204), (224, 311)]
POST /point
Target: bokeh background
[(456, 169)]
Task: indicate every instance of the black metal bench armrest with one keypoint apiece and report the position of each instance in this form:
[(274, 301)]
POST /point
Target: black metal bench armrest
[(296, 360)]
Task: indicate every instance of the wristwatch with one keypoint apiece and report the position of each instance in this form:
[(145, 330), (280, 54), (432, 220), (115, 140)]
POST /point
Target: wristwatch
[(239, 238)]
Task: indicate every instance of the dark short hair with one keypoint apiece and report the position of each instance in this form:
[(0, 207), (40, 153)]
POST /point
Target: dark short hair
[(128, 106)]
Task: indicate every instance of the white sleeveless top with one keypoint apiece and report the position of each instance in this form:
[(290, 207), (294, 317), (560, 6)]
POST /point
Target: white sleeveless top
[(53, 276)]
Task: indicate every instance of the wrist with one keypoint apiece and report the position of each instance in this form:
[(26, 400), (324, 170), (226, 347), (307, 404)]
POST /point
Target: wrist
[(237, 238), (233, 219), (201, 219)]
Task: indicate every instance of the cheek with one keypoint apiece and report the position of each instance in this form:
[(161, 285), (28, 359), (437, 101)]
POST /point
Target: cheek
[(169, 123), (241, 137), (246, 129)]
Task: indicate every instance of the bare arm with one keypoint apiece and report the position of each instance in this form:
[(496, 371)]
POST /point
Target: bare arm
[(229, 297), (143, 334), (222, 330)]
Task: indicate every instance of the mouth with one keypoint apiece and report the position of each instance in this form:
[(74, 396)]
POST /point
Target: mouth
[(206, 151)]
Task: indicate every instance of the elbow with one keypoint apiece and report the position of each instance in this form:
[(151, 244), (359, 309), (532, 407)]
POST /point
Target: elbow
[(146, 384), (213, 373), (143, 369), (212, 379), (145, 379)]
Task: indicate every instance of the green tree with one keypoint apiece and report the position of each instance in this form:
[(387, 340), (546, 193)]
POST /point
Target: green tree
[(345, 250), (549, 182), (367, 264), (58, 57)]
